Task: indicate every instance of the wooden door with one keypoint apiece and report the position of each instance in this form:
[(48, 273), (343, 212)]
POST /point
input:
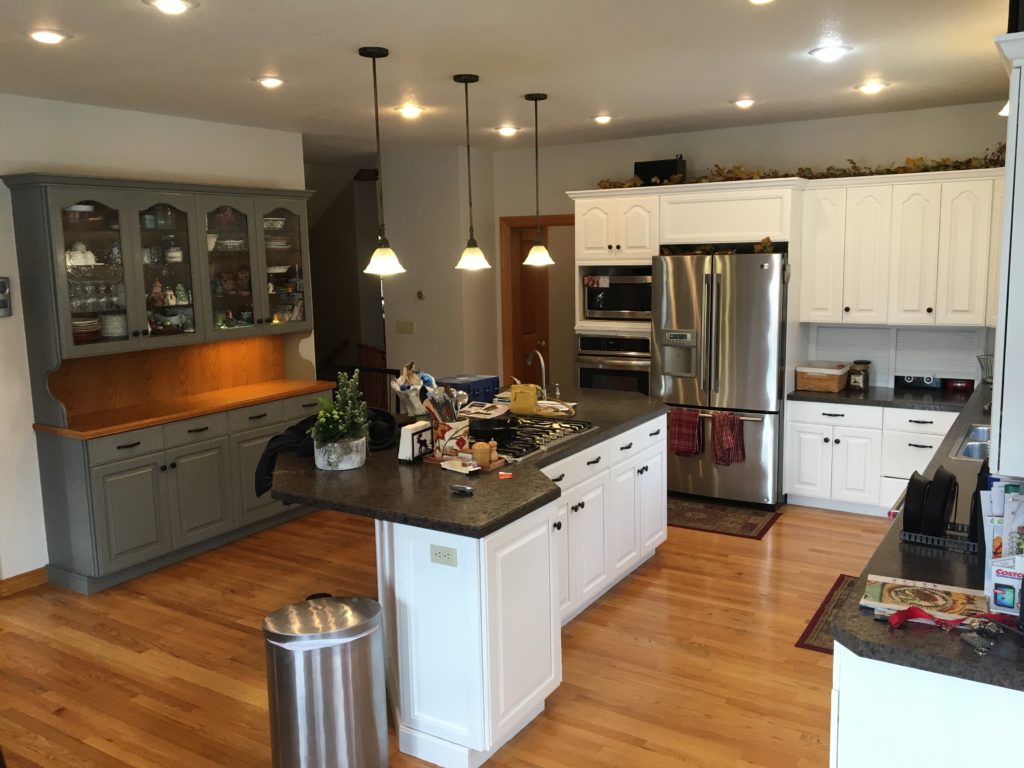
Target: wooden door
[(964, 231), (821, 296), (202, 497), (866, 262), (915, 254), (809, 460), (856, 464), (530, 307)]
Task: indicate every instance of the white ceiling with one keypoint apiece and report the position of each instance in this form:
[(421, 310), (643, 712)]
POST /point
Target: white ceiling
[(658, 66)]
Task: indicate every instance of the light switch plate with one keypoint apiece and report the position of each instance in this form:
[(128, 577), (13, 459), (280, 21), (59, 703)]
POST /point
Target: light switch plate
[(405, 326), (444, 555)]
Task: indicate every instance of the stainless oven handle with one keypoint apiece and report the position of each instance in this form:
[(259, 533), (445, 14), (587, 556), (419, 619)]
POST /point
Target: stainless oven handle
[(612, 363), (716, 335), (705, 335), (629, 280)]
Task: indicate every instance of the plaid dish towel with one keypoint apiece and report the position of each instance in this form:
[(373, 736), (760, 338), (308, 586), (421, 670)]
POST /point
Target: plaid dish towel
[(685, 436), (727, 439)]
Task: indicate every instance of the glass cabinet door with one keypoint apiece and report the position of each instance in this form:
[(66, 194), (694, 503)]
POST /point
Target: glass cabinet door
[(92, 288), (230, 246), (166, 268), (285, 264)]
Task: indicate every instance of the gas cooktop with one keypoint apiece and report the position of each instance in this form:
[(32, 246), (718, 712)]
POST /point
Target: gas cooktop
[(532, 434)]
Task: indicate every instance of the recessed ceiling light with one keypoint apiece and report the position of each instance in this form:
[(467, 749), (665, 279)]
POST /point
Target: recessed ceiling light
[(602, 119), (49, 36), (744, 103), (410, 111), (760, 2), (1005, 111), (508, 130), (830, 52), (172, 7), (871, 87), (270, 81)]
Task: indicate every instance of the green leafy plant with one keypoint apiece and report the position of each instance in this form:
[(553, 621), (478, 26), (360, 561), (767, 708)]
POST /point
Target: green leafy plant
[(342, 416)]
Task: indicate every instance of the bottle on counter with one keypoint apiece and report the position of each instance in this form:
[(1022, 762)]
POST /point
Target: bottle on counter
[(860, 375)]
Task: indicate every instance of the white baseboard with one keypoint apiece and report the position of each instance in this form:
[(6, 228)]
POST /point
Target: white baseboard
[(838, 506)]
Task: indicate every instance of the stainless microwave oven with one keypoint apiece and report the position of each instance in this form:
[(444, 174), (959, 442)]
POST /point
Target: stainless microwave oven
[(616, 293)]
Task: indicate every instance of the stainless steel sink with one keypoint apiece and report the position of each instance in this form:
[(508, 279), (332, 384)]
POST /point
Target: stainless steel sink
[(974, 445), (979, 434), (974, 450)]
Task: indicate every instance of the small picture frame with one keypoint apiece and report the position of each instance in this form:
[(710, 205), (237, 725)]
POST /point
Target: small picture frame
[(5, 297)]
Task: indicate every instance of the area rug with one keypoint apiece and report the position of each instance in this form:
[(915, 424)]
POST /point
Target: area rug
[(719, 518), (818, 635)]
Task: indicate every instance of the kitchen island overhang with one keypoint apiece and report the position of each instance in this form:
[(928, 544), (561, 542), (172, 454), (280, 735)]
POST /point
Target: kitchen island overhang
[(475, 588)]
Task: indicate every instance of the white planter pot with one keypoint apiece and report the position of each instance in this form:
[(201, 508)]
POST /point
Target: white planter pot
[(346, 454)]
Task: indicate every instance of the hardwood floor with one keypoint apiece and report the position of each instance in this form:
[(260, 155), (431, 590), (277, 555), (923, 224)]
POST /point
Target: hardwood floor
[(690, 661)]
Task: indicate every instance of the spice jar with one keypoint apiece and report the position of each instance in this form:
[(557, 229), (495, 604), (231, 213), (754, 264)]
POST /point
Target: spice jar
[(860, 375)]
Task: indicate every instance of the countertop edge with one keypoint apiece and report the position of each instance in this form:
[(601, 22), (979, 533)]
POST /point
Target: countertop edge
[(882, 397)]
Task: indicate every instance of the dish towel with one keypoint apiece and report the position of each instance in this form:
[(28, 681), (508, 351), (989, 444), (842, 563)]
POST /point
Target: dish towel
[(685, 436), (727, 439)]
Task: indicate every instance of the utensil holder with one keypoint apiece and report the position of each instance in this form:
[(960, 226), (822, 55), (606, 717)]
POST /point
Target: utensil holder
[(451, 437)]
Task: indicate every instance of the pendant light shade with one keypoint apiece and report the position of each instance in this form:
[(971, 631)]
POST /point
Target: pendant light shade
[(538, 255), (383, 261), (472, 257)]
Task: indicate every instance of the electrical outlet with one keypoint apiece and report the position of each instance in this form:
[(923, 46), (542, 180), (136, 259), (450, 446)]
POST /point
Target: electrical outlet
[(444, 555), (405, 326)]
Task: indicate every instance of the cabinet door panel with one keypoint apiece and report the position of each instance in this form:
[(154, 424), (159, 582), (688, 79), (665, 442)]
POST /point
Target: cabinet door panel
[(866, 262), (915, 253), (247, 448), (202, 493), (130, 512), (809, 460), (283, 265), (821, 263), (995, 243), (856, 465), (622, 522), (233, 297), (589, 546), (964, 233), (636, 227), (595, 225), (563, 558), (652, 498)]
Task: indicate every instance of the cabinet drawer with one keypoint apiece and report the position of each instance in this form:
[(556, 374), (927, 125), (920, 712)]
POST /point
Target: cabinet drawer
[(927, 422), (255, 415), (295, 408), (588, 463), (865, 416), (193, 430), (125, 445), (904, 453)]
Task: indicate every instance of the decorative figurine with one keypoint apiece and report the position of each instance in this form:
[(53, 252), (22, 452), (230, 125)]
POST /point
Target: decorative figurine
[(182, 294), (156, 293), (408, 385), (170, 299)]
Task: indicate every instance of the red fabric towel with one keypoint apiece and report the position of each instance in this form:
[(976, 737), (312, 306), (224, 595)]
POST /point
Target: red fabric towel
[(685, 435), (727, 439)]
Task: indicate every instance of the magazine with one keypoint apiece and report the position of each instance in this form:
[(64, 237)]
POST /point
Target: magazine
[(944, 602)]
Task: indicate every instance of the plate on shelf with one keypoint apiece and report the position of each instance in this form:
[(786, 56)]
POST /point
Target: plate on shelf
[(273, 222), (231, 245), (277, 270)]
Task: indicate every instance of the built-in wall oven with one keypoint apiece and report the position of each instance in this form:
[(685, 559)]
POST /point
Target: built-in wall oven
[(616, 293), (610, 361)]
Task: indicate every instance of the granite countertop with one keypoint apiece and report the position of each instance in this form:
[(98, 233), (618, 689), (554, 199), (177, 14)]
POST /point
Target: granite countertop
[(886, 397), (420, 494), (920, 646)]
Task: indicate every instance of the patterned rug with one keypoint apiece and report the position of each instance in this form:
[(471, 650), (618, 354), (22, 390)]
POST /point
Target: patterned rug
[(817, 636), (719, 518)]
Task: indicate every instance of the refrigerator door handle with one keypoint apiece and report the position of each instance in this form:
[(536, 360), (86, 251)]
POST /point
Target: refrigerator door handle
[(706, 340), (716, 333)]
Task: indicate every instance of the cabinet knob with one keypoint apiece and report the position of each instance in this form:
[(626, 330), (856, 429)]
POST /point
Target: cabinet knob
[(145, 331), (846, 309), (826, 439), (259, 321), (609, 246), (268, 320), (583, 504), (836, 441), (174, 465), (163, 467), (557, 526), (618, 247), (136, 334), (929, 310)]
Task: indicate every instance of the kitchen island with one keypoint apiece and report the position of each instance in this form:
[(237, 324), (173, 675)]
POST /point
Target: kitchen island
[(919, 694), (475, 588)]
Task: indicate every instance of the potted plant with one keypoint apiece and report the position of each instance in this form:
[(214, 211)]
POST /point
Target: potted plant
[(339, 433)]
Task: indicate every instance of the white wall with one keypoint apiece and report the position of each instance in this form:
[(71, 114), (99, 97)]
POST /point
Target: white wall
[(40, 135)]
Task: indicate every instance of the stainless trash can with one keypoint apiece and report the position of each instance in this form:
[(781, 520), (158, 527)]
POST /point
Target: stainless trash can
[(325, 683)]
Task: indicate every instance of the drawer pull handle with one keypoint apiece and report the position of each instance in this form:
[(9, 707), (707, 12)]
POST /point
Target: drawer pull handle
[(126, 446), (197, 430), (557, 526), (833, 415), (558, 479), (919, 445), (592, 462), (310, 405), (919, 421), (625, 447), (655, 433), (258, 416)]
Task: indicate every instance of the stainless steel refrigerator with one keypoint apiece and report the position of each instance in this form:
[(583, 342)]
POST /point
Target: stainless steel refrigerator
[(719, 345)]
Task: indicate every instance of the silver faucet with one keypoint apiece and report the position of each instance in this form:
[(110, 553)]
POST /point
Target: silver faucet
[(543, 372)]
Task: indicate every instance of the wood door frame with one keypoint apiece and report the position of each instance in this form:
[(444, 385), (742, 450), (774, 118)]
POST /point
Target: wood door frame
[(507, 225)]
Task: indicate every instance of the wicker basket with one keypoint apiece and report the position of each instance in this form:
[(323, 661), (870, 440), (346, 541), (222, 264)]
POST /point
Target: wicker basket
[(822, 376)]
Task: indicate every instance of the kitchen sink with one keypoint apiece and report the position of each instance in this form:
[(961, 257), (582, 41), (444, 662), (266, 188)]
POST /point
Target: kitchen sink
[(975, 443), (979, 434), (974, 450)]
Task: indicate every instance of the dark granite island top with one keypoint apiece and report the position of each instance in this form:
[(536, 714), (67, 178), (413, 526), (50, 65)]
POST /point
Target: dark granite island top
[(419, 494), (886, 397), (919, 646)]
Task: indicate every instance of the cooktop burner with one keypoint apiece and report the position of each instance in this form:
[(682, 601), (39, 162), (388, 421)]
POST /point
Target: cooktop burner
[(531, 434)]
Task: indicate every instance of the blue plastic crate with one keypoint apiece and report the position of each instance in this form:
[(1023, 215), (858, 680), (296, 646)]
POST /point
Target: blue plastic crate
[(480, 387)]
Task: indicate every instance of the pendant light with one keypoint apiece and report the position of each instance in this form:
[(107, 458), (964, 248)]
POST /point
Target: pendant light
[(538, 255), (383, 261), (472, 257)]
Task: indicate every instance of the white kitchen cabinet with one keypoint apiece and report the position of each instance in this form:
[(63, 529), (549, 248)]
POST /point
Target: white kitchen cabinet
[(824, 227), (733, 212), (617, 228), (560, 543), (588, 540), (651, 493), (964, 232), (809, 460), (994, 248), (866, 259), (856, 464), (623, 522), (914, 268)]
